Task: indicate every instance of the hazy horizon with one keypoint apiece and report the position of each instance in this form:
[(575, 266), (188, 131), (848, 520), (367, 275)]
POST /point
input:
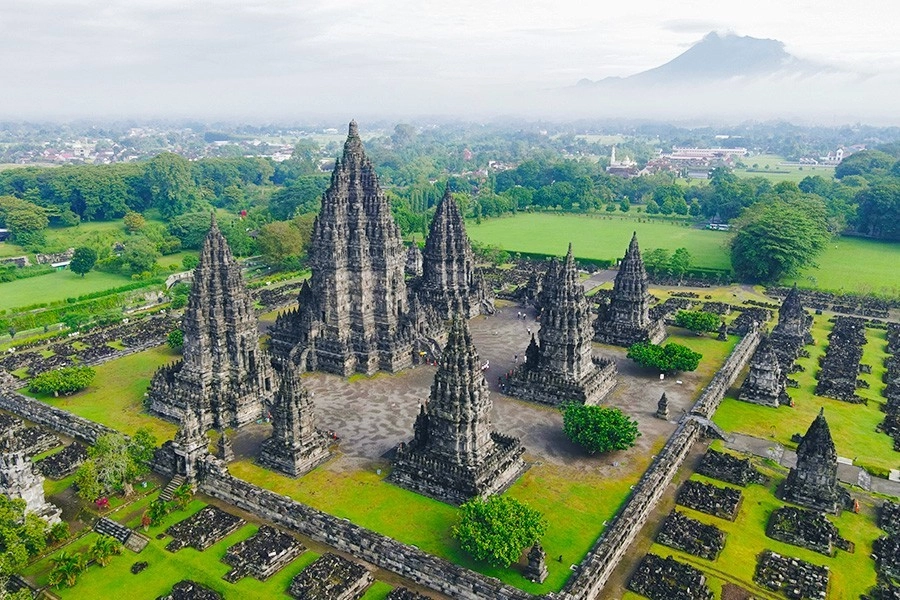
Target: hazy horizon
[(280, 60)]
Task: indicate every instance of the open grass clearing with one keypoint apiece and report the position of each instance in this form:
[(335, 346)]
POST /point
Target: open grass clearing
[(115, 398), (852, 425), (855, 265), (57, 286), (576, 504)]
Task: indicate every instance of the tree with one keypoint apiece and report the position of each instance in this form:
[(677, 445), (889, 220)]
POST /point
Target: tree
[(104, 548), (300, 197), (279, 241), (777, 238), (171, 186), (66, 569), (23, 535), (190, 262), (140, 255), (498, 529), (83, 260), (599, 428), (66, 380), (657, 260), (134, 222), (680, 262), (697, 320), (175, 339), (113, 463), (879, 209), (670, 358)]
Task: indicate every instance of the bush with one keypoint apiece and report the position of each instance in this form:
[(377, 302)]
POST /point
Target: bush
[(65, 380), (599, 428), (175, 339), (498, 529), (668, 358), (697, 320)]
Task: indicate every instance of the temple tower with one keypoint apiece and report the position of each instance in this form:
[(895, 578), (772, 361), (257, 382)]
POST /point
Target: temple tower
[(766, 383), (449, 281), (455, 455), (813, 482), (626, 319), (224, 374), (296, 446), (20, 478), (561, 367), (356, 314), (792, 331)]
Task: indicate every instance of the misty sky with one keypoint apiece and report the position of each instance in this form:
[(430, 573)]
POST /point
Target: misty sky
[(294, 59)]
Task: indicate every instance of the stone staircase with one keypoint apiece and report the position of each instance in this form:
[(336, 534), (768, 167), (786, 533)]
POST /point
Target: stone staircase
[(174, 484)]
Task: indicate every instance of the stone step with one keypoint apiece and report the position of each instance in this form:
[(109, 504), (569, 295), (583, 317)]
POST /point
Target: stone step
[(106, 526), (174, 484)]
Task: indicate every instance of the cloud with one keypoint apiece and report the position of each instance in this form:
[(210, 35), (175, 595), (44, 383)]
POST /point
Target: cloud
[(694, 26)]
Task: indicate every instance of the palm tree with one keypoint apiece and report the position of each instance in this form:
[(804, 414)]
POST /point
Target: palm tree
[(182, 495), (104, 548), (66, 568)]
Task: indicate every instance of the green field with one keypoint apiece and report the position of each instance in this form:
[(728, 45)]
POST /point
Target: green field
[(114, 398), (858, 265), (777, 171), (852, 425), (600, 238), (56, 286), (848, 264)]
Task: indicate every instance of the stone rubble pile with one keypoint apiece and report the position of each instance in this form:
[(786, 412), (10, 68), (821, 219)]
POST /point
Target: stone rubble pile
[(806, 528), (203, 529), (720, 502), (191, 590), (797, 579), (886, 552), (840, 366), (331, 577), (729, 468), (261, 556), (889, 517), (691, 536), (660, 578), (63, 463)]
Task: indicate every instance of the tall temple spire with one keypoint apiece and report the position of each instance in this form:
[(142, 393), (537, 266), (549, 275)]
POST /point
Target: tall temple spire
[(358, 318), (792, 331), (813, 482), (564, 369), (765, 383), (626, 320), (223, 375), (296, 446), (449, 281), (454, 454)]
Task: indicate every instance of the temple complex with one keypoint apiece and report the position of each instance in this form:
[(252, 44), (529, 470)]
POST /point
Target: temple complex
[(20, 478), (224, 376), (626, 319), (296, 446), (450, 281), (561, 367), (813, 482), (766, 383), (455, 455), (355, 314)]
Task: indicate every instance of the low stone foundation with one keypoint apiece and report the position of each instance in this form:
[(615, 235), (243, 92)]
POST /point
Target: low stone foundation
[(544, 388)]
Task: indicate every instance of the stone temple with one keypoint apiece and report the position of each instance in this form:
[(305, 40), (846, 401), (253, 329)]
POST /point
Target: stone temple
[(455, 455), (20, 478), (561, 367), (450, 282), (792, 331), (813, 482), (766, 383), (626, 319), (296, 446), (224, 374), (355, 314)]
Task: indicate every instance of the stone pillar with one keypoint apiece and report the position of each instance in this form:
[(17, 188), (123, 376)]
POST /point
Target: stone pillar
[(662, 408), (536, 570)]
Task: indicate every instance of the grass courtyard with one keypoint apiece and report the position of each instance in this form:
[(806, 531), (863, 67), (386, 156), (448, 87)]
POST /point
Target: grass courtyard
[(852, 425), (56, 286), (115, 396)]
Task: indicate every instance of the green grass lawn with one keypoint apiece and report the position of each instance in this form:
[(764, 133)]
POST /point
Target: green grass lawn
[(576, 504), (851, 573), (852, 425), (56, 286), (593, 237), (855, 265), (11, 249), (115, 397), (779, 172), (847, 264)]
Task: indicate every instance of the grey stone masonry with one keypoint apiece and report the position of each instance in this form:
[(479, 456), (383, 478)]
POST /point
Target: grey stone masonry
[(449, 279), (766, 384), (354, 316), (792, 331), (455, 455), (224, 375), (562, 367), (20, 478), (813, 482), (536, 569), (626, 319), (296, 446)]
